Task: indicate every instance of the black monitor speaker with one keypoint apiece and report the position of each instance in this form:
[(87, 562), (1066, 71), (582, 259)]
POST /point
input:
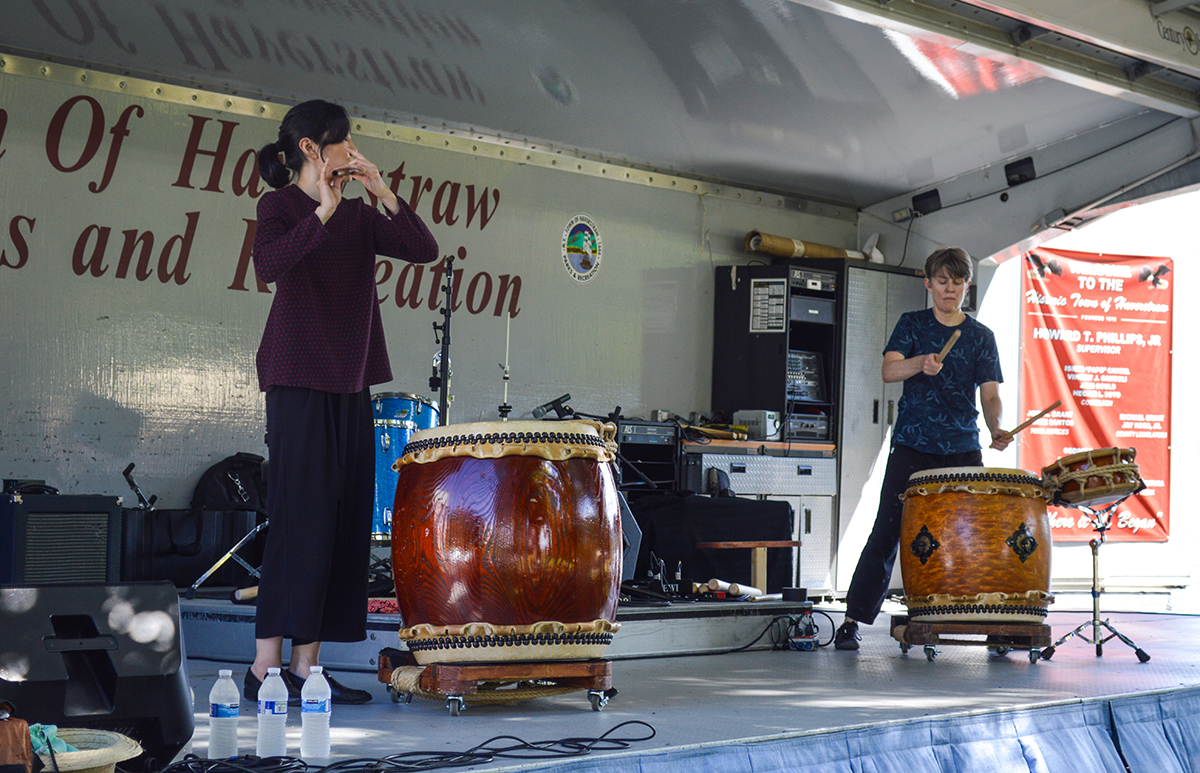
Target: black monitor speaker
[(97, 656)]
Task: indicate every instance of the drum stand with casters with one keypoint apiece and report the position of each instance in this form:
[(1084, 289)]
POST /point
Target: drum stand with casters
[(457, 682), (1001, 637), (1102, 521)]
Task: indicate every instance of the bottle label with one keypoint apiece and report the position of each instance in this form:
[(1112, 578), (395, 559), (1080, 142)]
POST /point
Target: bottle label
[(314, 707), (223, 710), (273, 707)]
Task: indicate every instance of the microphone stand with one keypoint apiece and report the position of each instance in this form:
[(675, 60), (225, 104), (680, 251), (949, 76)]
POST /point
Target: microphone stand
[(441, 372)]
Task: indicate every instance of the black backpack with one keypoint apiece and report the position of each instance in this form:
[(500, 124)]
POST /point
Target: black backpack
[(236, 483)]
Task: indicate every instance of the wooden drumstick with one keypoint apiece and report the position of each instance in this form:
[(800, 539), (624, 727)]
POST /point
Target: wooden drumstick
[(246, 594), (1027, 422), (949, 345)]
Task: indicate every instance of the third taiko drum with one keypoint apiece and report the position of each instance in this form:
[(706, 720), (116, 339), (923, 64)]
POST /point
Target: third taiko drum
[(506, 541), (1093, 478), (975, 546)]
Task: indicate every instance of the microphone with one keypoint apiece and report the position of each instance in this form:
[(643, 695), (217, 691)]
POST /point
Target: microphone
[(558, 405)]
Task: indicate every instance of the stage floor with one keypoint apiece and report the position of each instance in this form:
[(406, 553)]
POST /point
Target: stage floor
[(725, 698)]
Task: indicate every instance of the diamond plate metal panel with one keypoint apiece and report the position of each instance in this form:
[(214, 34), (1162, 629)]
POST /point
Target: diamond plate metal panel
[(814, 527), (778, 475), (864, 413)]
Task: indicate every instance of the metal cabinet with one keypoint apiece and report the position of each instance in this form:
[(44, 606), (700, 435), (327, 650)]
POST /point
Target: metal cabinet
[(874, 301), (807, 483)]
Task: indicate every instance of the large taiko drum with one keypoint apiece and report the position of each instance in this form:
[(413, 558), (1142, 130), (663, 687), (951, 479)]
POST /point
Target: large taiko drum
[(975, 546), (1093, 478), (506, 541)]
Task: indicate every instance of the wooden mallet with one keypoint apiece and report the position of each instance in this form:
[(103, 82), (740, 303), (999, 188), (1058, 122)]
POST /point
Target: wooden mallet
[(1027, 422), (949, 345)]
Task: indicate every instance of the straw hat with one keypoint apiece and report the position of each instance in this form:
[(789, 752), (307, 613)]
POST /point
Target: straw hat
[(99, 751)]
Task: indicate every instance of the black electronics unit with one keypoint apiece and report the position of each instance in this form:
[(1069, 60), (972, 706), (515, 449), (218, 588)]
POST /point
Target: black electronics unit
[(103, 657), (649, 456), (805, 377), (806, 426), (763, 360), (56, 538)]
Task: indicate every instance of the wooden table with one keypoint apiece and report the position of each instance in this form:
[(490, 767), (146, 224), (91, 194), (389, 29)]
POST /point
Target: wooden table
[(758, 555)]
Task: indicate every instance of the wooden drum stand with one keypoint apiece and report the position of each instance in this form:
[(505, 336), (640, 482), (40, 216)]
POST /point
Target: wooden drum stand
[(500, 682)]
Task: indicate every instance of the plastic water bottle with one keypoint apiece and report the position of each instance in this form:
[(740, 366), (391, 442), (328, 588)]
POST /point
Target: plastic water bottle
[(223, 705), (315, 707), (272, 716)]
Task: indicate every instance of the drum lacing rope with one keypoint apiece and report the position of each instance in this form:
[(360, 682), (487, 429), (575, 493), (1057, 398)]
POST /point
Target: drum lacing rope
[(990, 477), (987, 609), (504, 438), (407, 680), (579, 639)]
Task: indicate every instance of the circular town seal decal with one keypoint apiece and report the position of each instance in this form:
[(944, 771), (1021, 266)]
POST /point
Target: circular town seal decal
[(581, 248)]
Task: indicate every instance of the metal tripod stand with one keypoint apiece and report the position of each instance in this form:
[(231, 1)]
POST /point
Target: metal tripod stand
[(1102, 521)]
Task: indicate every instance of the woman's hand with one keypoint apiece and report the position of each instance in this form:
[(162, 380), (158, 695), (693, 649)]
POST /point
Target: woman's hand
[(329, 190), (359, 168)]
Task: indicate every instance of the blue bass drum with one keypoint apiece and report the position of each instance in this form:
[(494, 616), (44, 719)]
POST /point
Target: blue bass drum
[(397, 416)]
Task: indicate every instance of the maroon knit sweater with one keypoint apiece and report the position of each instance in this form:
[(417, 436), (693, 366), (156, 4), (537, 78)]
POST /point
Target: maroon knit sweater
[(324, 331)]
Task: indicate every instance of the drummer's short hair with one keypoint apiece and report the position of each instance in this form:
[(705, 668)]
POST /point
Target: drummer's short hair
[(954, 260)]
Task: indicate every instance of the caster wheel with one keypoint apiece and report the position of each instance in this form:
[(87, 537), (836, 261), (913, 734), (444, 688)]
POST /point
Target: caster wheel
[(393, 694), (905, 647), (1047, 653), (1099, 650), (455, 705), (1035, 655), (598, 699), (1142, 655), (1000, 651), (931, 652)]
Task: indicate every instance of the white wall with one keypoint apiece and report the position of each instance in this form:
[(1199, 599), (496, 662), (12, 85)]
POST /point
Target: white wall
[(97, 371)]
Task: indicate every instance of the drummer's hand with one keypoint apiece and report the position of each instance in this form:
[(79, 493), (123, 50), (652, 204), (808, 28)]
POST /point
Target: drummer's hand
[(1001, 439), (930, 365)]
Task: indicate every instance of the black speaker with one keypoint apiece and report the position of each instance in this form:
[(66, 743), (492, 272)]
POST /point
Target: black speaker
[(47, 538), (106, 657)]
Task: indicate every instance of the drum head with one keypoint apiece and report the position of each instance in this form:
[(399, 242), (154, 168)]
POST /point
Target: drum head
[(556, 440)]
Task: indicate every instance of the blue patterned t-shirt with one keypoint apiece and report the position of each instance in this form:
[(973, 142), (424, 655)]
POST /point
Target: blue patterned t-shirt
[(937, 413)]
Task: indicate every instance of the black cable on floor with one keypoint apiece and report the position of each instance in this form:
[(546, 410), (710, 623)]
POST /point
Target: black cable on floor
[(488, 751)]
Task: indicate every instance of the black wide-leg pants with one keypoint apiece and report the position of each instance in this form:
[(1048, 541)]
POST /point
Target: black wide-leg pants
[(869, 585), (320, 502)]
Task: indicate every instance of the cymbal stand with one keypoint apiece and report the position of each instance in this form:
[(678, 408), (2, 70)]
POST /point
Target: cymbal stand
[(1102, 521)]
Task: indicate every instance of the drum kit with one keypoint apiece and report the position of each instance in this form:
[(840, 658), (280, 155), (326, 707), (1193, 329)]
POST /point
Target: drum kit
[(975, 549)]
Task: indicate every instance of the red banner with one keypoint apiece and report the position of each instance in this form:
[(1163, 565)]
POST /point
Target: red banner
[(1096, 334)]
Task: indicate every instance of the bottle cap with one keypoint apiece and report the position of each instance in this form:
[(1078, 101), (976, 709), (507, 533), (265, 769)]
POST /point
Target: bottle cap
[(225, 672), (273, 671), (316, 669)]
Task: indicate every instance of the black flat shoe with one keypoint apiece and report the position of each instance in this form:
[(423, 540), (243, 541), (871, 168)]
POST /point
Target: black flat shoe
[(251, 684), (338, 692)]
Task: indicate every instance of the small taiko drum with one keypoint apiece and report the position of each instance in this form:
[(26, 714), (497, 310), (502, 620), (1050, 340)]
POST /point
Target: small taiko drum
[(1093, 478), (506, 541), (975, 546)]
